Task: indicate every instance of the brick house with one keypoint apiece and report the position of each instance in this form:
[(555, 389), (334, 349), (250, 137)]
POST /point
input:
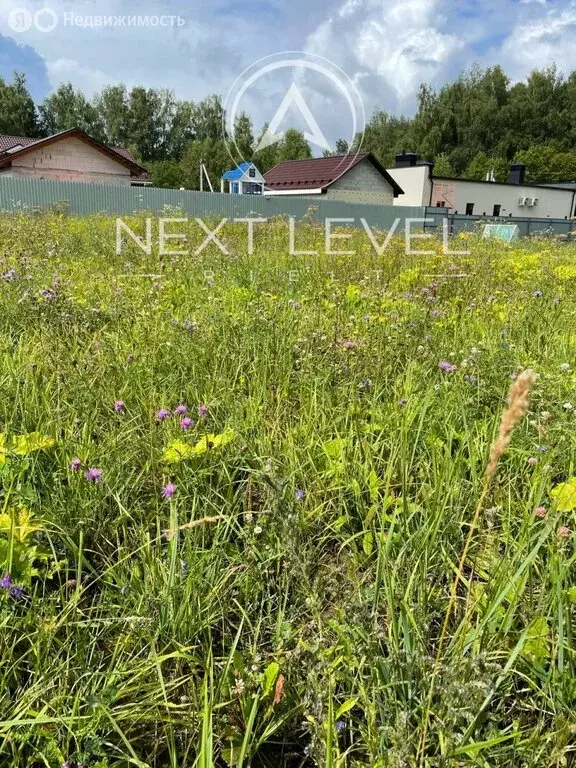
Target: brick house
[(349, 178), (71, 155)]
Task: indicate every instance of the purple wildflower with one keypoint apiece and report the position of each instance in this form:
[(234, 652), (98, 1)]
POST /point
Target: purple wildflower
[(16, 592), (349, 345), (447, 367), (436, 313), (299, 494), (202, 411), (120, 406), (163, 414), (6, 581), (169, 490), (471, 379), (9, 276), (75, 464), (180, 410), (340, 725), (48, 294), (93, 475), (187, 423)]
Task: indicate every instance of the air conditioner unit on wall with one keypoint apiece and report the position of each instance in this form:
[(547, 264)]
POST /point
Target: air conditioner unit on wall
[(522, 201), (536, 201), (530, 202)]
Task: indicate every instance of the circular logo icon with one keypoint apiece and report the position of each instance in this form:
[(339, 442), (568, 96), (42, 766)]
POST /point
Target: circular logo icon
[(45, 20), (327, 82), (20, 19)]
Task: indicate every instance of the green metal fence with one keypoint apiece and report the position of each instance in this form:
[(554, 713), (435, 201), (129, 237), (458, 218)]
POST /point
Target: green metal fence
[(79, 199)]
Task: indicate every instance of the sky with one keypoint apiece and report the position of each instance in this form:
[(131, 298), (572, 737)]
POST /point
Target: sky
[(386, 48)]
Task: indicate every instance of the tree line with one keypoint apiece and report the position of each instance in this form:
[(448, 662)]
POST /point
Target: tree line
[(477, 124)]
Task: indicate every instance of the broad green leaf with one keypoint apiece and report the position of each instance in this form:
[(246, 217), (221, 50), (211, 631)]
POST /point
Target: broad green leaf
[(270, 676), (373, 485), (368, 542), (346, 707), (537, 646), (334, 449)]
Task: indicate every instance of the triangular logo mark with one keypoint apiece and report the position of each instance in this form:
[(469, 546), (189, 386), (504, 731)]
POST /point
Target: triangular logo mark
[(314, 136)]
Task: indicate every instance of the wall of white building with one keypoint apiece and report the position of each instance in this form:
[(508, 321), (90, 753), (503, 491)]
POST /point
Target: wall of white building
[(456, 194), (415, 182)]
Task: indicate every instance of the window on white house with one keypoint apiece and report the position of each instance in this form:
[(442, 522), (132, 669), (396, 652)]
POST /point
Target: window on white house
[(252, 173), (469, 209), (251, 188), (497, 210)]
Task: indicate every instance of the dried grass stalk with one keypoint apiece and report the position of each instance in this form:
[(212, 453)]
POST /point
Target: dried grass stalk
[(518, 401)]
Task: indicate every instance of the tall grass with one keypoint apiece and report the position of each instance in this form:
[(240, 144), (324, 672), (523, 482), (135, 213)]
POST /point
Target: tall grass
[(284, 604)]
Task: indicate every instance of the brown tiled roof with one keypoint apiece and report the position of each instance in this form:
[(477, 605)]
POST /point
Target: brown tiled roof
[(143, 177), (7, 142), (320, 172)]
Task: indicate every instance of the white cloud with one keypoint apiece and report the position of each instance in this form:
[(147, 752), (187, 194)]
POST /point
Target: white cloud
[(539, 42), (389, 47)]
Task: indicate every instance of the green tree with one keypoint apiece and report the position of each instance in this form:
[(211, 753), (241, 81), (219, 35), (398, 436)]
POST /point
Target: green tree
[(208, 119), (68, 108), (244, 136), (181, 130), (442, 167), (150, 116), (482, 165), (17, 111), (113, 108), (216, 159), (166, 173), (386, 136), (545, 165), (293, 146), (266, 158)]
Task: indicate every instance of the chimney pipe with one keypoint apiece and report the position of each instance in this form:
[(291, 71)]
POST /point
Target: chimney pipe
[(517, 173), (406, 160)]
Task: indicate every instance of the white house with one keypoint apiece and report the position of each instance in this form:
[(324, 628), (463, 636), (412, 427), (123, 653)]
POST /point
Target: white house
[(245, 179), (470, 197)]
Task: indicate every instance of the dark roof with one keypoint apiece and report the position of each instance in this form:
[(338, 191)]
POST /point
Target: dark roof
[(7, 142), (119, 154), (321, 172), (498, 183)]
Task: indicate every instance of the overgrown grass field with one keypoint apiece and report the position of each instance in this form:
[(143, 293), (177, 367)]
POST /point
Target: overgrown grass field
[(245, 518)]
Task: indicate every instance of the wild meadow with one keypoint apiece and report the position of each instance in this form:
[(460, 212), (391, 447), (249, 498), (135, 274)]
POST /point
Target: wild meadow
[(245, 518)]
